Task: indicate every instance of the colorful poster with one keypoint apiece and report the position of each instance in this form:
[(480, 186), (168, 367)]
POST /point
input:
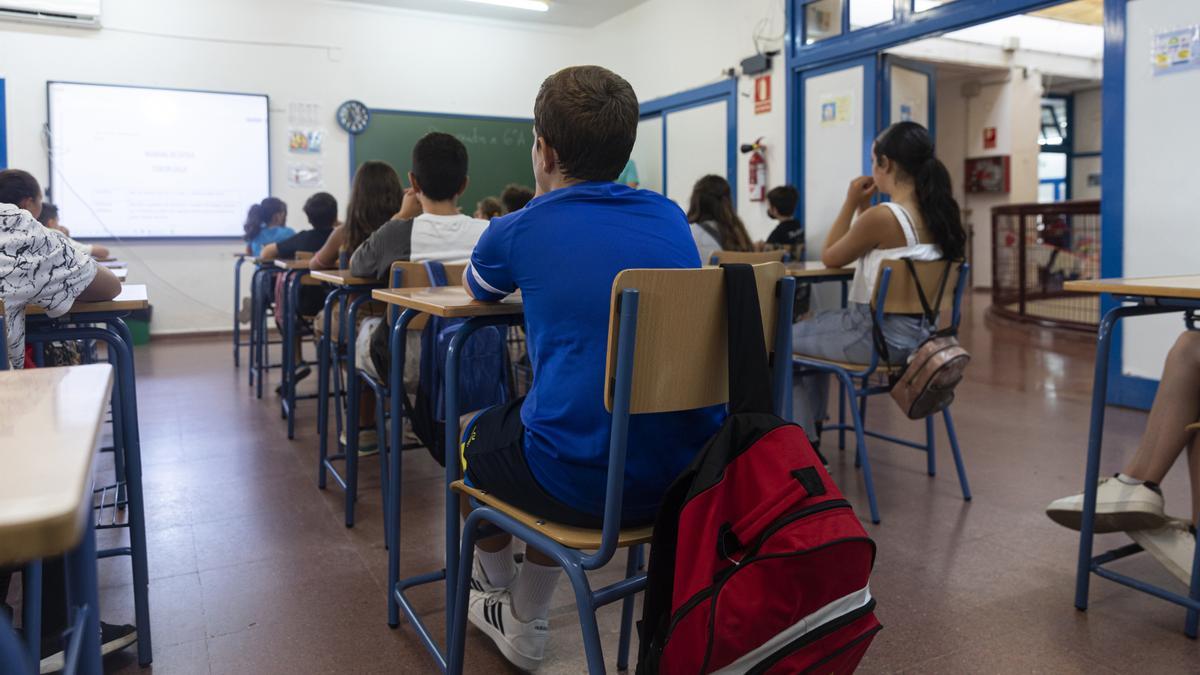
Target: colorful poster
[(305, 140), (1176, 50), (836, 109)]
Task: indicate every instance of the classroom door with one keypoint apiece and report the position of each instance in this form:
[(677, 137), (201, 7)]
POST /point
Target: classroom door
[(698, 143), (908, 92), (839, 123)]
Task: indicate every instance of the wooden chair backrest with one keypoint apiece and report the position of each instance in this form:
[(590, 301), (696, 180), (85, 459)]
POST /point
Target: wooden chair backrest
[(681, 358), (902, 291), (413, 275), (748, 257), (454, 273)]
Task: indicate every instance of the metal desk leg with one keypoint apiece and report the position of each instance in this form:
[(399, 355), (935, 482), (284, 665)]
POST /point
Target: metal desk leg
[(82, 597), (325, 360), (237, 302), (31, 609), (290, 349), (397, 346), (352, 397)]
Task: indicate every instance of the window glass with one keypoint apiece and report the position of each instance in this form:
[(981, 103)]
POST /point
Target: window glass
[(822, 20), (1054, 126), (865, 13)]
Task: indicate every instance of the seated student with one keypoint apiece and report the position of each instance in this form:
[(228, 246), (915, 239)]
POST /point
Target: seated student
[(488, 208), (376, 194), (548, 454), (715, 224), (515, 197), (922, 222), (788, 235), (266, 223), (321, 210), (39, 266), (1132, 501), (438, 231), (49, 218)]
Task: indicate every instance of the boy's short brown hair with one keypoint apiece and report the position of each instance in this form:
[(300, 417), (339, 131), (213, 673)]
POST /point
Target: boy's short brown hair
[(589, 115)]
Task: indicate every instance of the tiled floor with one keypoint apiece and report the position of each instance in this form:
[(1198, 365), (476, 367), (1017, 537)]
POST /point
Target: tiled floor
[(253, 572)]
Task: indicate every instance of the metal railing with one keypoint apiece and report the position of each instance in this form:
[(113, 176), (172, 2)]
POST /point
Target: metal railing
[(1035, 249)]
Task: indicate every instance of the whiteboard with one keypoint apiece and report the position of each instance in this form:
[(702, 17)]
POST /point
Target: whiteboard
[(140, 162), (648, 153), (697, 145)]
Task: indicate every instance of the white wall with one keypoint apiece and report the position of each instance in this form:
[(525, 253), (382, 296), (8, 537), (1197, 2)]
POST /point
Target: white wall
[(1086, 136), (318, 52), (1161, 146)]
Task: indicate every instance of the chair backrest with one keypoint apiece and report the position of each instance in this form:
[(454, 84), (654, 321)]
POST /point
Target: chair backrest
[(902, 290), (748, 257), (405, 274), (454, 273), (681, 359)]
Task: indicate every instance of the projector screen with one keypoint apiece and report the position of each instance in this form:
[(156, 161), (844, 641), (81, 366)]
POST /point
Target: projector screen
[(142, 162)]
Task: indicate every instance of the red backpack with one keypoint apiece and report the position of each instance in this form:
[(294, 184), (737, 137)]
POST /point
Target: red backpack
[(758, 564)]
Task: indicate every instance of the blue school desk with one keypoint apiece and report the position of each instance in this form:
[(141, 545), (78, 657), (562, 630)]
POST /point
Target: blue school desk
[(447, 302), (239, 260), (1139, 297), (349, 293), (262, 293), (46, 458), (122, 504), (296, 274)]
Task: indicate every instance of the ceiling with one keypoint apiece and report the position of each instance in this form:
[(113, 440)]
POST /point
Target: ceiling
[(1090, 12), (582, 13)]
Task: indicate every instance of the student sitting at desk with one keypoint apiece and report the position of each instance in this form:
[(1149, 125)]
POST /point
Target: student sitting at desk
[(788, 235), (375, 196), (39, 266), (922, 222), (488, 208), (437, 231), (49, 218), (321, 210), (715, 223), (1132, 501), (548, 454), (266, 223)]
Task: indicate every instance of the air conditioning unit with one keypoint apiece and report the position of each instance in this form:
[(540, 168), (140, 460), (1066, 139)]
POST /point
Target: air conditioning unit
[(75, 13)]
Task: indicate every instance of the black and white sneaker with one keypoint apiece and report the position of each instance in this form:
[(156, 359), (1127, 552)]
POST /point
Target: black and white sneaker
[(479, 579), (112, 638), (523, 643)]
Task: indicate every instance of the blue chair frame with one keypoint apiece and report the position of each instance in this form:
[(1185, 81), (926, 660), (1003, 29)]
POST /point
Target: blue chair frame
[(237, 306), (293, 281), (574, 562), (849, 390), (261, 288)]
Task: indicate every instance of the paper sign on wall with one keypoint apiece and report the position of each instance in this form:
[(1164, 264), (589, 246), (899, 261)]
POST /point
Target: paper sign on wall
[(906, 112), (762, 94), (1176, 50), (836, 109)]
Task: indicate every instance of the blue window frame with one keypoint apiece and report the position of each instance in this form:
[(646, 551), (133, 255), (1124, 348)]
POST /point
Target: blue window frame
[(725, 90)]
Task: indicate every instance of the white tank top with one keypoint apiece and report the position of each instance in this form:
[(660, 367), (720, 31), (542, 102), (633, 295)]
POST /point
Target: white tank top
[(862, 287)]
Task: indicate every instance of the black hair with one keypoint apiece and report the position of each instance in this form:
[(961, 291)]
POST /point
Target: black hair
[(909, 145), (16, 186), (783, 199), (49, 212), (589, 115), (490, 207), (439, 162), (321, 210), (260, 214), (515, 197), (712, 201)]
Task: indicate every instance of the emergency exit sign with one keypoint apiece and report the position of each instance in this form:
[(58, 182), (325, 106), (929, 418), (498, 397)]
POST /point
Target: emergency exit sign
[(762, 94)]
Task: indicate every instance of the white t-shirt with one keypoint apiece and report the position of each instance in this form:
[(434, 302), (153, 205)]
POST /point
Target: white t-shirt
[(38, 266), (445, 238)]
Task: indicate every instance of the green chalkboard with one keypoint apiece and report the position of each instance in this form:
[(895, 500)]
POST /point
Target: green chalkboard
[(498, 148)]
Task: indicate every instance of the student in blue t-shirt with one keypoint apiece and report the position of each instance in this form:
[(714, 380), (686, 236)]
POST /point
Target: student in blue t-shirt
[(266, 223), (548, 454)]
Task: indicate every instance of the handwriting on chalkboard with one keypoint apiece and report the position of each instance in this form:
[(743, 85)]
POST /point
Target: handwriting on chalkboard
[(507, 137)]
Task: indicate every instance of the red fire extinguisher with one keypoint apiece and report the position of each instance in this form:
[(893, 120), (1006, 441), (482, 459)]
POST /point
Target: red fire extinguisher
[(758, 169)]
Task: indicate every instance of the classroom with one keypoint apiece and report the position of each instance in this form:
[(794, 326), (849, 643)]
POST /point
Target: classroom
[(566, 336)]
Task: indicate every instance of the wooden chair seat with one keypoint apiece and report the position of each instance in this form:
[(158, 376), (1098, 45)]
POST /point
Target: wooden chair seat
[(571, 537), (853, 367)]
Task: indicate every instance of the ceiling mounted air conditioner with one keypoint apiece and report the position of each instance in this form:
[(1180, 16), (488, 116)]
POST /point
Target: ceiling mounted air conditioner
[(75, 13)]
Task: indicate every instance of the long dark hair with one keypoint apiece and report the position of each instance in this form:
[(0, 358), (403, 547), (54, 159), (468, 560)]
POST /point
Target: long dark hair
[(712, 200), (375, 197), (260, 214), (908, 145)]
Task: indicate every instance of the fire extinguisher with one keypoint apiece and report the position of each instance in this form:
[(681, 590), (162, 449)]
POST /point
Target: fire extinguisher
[(758, 169)]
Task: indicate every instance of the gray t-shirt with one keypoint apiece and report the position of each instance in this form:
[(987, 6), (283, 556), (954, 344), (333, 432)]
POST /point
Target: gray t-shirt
[(374, 257)]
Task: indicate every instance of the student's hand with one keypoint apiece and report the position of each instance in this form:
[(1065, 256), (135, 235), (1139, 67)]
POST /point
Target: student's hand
[(860, 191), (410, 207)]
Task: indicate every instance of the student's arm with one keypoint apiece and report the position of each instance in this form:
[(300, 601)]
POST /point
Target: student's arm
[(269, 252), (99, 251), (489, 275), (327, 257), (104, 286), (870, 231), (858, 200)]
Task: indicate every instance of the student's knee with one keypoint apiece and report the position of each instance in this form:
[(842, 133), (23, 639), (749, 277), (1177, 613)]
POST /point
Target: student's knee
[(1186, 350)]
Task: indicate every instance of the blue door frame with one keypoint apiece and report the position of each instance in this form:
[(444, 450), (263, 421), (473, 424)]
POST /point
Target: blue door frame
[(725, 90), (906, 26), (3, 130)]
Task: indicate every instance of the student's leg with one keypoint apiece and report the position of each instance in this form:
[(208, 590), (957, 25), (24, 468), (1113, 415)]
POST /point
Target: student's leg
[(838, 335), (1176, 405)]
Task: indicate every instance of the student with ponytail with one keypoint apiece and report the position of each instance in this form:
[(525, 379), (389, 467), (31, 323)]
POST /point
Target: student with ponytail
[(922, 221), (266, 223)]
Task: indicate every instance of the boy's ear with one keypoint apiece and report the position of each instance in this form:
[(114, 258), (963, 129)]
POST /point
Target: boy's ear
[(412, 180)]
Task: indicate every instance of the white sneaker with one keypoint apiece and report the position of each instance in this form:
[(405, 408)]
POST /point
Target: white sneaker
[(479, 579), (368, 441), (1120, 507), (1173, 545), (522, 643)]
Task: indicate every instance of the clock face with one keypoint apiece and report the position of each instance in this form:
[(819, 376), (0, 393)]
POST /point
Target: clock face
[(353, 116)]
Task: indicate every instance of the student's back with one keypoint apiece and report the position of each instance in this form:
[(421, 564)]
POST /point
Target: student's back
[(563, 251)]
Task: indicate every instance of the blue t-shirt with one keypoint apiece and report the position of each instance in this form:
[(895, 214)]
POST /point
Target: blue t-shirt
[(563, 251), (269, 235)]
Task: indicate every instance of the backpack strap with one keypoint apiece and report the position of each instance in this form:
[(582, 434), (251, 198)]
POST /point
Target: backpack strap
[(712, 232), (931, 313), (749, 372)]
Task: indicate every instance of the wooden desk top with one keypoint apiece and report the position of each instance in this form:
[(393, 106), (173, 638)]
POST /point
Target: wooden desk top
[(344, 278), (121, 273), (291, 264), (1185, 286), (112, 264), (801, 270), (47, 444), (447, 301), (133, 296)]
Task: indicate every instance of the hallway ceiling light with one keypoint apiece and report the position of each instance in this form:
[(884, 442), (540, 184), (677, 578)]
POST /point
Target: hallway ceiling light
[(531, 5)]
